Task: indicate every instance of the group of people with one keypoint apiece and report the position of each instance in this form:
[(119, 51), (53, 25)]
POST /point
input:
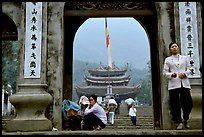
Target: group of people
[(113, 110), (176, 69), (95, 117)]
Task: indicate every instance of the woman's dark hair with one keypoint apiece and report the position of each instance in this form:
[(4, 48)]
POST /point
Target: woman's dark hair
[(94, 97), (172, 44)]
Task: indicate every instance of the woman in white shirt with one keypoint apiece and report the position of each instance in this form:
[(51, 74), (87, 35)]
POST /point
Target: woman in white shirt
[(94, 115), (176, 70), (133, 114)]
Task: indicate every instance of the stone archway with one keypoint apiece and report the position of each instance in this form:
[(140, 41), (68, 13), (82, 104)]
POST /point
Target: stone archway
[(60, 17), (9, 29), (76, 13)]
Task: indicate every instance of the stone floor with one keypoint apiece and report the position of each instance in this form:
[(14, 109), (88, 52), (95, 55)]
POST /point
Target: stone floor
[(111, 132)]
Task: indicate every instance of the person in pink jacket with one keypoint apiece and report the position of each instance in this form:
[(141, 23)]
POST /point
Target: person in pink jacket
[(176, 70)]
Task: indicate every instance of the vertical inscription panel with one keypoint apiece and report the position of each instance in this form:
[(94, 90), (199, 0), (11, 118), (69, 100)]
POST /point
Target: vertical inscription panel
[(189, 35), (33, 40)]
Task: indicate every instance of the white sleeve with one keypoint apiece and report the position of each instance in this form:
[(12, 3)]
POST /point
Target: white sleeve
[(166, 69)]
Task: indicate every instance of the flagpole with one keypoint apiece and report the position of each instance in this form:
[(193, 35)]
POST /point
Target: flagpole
[(109, 79), (107, 44)]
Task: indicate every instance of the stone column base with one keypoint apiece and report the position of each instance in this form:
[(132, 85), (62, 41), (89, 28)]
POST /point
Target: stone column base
[(30, 104), (28, 125)]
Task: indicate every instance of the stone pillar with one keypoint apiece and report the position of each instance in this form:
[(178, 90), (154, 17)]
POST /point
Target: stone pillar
[(169, 30), (195, 120), (164, 35), (31, 99)]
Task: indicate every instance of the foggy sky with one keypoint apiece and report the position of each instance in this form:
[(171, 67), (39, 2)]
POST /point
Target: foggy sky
[(129, 42)]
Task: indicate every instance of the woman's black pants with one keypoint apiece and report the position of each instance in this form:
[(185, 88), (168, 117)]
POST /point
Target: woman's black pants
[(91, 120), (180, 98)]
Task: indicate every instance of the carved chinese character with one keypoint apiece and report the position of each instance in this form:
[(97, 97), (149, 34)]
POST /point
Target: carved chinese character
[(33, 46), (34, 20), (192, 72), (34, 3), (33, 55), (32, 64), (32, 73), (34, 11), (189, 37), (188, 11), (33, 28), (34, 37), (188, 19), (192, 63), (190, 45), (187, 4), (190, 53), (189, 28)]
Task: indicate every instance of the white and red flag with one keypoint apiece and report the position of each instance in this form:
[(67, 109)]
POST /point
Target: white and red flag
[(108, 45)]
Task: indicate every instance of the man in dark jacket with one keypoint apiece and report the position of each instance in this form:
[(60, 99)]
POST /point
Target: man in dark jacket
[(118, 100)]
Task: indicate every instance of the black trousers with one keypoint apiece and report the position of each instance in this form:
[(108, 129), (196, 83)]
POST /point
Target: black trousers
[(91, 120), (133, 119), (180, 98), (117, 110)]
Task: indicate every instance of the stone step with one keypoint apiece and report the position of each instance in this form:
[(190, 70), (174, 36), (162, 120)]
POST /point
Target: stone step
[(141, 118), (126, 123), (130, 123), (138, 117), (143, 125), (5, 119), (138, 120), (129, 127)]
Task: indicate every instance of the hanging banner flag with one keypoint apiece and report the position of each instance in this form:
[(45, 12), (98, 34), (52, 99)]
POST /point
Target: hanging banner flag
[(108, 45)]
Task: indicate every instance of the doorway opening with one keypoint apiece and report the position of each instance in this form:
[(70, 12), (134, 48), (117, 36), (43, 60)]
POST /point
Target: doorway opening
[(74, 18)]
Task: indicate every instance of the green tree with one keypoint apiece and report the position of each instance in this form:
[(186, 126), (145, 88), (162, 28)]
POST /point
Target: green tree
[(145, 95), (9, 63)]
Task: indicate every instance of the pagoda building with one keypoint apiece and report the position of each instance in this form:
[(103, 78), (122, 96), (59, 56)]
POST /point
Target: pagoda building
[(102, 82)]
